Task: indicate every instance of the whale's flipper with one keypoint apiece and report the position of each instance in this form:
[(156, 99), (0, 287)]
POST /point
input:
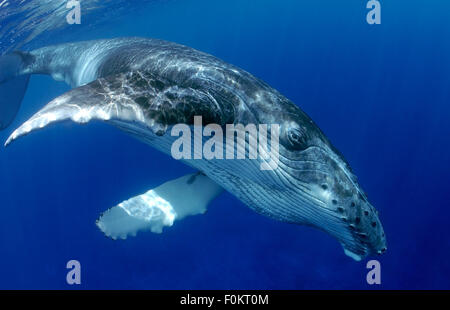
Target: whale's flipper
[(13, 85), (133, 101), (159, 207)]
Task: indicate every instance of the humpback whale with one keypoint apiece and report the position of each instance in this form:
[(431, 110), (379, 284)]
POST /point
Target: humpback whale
[(147, 86)]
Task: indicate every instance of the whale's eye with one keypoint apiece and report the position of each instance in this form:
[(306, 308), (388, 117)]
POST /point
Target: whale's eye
[(297, 139)]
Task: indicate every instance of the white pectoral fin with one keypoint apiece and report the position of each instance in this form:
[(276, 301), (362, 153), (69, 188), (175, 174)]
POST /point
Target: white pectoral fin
[(159, 207)]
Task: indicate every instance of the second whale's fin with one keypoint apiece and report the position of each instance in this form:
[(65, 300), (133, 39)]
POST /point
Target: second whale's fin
[(160, 207), (13, 85)]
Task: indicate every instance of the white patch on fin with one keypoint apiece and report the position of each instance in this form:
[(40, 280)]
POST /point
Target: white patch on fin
[(159, 207)]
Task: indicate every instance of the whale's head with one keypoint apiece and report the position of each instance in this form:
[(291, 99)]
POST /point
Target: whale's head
[(320, 188)]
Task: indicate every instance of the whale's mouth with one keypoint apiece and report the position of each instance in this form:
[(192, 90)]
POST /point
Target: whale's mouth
[(321, 191)]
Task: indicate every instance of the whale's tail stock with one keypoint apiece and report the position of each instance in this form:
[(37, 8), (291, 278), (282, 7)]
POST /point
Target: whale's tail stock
[(13, 84)]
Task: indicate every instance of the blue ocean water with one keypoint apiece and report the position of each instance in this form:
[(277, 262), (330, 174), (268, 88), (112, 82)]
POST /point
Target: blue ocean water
[(379, 92)]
